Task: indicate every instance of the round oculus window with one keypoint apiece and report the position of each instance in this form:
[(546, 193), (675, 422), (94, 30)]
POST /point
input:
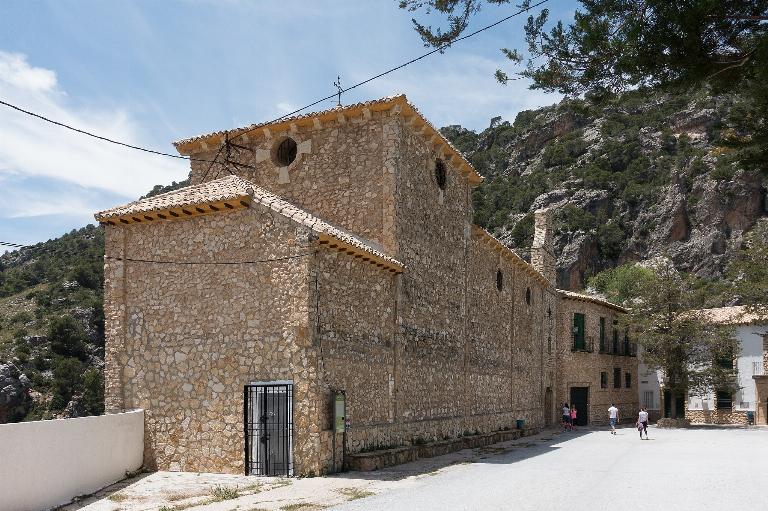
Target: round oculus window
[(286, 152)]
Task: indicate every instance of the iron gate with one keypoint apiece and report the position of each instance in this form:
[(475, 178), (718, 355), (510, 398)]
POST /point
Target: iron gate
[(268, 423)]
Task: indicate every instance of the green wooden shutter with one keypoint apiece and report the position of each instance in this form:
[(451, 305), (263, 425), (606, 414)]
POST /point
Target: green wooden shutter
[(578, 331)]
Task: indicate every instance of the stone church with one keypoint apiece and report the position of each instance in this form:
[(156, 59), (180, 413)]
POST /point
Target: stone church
[(330, 258)]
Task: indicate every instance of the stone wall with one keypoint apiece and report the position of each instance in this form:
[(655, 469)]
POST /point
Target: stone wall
[(183, 339), (342, 172), (716, 416), (438, 351), (582, 368), (444, 349)]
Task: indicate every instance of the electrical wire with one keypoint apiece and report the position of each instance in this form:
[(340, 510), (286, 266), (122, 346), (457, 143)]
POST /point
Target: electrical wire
[(439, 49), (223, 263), (9, 244)]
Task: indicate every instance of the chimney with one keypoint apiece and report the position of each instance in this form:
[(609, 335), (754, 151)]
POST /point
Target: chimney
[(542, 254)]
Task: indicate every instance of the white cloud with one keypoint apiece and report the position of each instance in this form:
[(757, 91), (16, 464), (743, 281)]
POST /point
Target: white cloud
[(460, 88), (31, 148), (34, 206)]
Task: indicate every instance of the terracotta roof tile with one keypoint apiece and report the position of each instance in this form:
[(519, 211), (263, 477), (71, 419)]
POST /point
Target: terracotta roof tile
[(233, 187), (591, 299), (226, 188), (293, 118), (218, 136), (734, 315)]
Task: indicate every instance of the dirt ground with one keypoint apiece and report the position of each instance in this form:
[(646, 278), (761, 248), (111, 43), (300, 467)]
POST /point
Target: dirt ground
[(176, 491)]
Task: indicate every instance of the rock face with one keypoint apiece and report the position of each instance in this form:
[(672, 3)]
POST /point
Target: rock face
[(633, 177)]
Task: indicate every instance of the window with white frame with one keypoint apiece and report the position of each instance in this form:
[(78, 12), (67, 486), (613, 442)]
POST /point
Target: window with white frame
[(648, 399)]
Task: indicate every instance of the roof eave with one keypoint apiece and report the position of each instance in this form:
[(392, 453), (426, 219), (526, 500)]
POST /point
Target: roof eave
[(194, 145)]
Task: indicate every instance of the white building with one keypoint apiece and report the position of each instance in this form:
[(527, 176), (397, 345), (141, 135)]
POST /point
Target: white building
[(717, 408)]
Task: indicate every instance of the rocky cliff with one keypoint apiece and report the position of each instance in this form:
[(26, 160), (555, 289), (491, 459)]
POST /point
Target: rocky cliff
[(631, 177)]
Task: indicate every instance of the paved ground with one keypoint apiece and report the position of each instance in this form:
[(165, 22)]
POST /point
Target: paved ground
[(697, 469)]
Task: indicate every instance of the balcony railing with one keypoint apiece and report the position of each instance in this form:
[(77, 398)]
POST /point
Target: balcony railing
[(619, 349), (583, 344)]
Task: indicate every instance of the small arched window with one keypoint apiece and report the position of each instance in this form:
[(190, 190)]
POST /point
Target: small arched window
[(528, 295), (286, 152), (440, 174), (499, 280)]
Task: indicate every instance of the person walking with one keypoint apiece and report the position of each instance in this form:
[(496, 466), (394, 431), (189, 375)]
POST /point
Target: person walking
[(613, 415), (573, 416), (642, 423), (566, 417)]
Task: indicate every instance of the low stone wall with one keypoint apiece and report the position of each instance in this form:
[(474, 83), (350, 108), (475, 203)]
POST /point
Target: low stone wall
[(666, 422), (717, 416), (376, 460)]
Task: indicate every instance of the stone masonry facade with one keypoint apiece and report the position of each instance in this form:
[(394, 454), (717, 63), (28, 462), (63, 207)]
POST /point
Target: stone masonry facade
[(352, 266), (594, 364)]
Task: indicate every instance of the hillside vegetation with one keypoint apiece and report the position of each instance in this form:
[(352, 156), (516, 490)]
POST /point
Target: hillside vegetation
[(641, 175)]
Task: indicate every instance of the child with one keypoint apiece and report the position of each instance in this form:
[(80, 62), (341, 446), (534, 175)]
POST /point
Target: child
[(573, 416)]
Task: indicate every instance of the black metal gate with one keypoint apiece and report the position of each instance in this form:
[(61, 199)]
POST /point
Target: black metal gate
[(268, 423)]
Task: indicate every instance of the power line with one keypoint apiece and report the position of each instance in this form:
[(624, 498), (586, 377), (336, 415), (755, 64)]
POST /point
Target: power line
[(9, 244), (225, 263), (440, 49)]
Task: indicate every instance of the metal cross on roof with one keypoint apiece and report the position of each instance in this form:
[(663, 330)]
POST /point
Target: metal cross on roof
[(337, 84)]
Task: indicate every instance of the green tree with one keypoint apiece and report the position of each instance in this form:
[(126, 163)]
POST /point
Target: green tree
[(67, 381), (749, 271), (688, 349), (93, 391), (612, 46), (67, 337), (622, 284), (615, 44)]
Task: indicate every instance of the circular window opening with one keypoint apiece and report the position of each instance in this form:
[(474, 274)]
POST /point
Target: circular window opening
[(528, 295), (286, 152), (499, 280), (440, 175)]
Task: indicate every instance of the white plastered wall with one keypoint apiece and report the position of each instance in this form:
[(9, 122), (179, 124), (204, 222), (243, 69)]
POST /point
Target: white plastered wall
[(48, 463)]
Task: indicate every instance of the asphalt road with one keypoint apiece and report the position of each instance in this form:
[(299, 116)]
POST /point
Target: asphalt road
[(696, 469)]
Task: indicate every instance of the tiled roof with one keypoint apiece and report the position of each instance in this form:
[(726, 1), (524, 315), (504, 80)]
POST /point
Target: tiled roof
[(214, 139), (735, 315), (226, 188), (335, 110), (236, 193), (592, 299)]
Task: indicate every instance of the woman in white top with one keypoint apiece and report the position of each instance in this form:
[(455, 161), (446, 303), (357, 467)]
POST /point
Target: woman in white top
[(642, 423)]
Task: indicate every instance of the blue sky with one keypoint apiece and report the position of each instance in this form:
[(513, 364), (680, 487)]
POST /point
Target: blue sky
[(151, 72)]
